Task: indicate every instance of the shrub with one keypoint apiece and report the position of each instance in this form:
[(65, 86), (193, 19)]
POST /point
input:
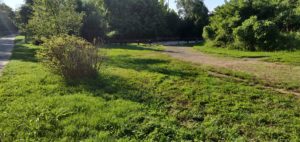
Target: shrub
[(222, 39), (208, 33), (244, 35), (240, 16), (71, 57), (266, 35), (256, 35), (290, 40)]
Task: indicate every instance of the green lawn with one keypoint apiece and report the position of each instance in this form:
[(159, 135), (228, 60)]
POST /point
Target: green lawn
[(139, 95), (289, 57)]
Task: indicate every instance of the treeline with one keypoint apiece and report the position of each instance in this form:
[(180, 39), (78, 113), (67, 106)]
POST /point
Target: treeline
[(255, 25), (112, 19)]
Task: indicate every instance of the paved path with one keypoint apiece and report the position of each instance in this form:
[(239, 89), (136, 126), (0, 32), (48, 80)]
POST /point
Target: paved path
[(271, 72), (6, 47)]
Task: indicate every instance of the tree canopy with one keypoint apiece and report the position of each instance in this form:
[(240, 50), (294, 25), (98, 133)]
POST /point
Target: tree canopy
[(113, 19), (238, 22), (195, 14), (54, 17)]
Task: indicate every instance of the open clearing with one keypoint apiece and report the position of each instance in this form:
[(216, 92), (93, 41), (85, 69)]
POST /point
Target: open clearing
[(140, 95), (274, 74)]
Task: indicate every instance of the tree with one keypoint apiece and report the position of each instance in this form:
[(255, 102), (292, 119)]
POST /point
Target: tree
[(23, 15), (123, 20), (133, 19), (237, 15), (173, 23), (195, 15), (94, 22), (25, 12), (54, 17)]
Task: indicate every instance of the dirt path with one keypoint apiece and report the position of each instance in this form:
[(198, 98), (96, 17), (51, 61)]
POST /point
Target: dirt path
[(274, 73), (6, 47)]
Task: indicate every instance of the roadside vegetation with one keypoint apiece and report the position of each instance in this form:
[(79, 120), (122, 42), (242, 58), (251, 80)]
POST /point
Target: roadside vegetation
[(140, 95)]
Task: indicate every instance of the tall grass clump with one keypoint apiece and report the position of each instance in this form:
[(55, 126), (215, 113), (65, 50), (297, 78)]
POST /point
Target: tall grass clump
[(71, 56)]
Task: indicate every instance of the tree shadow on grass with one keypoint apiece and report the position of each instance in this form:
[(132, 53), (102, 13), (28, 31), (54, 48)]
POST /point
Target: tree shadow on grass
[(24, 53), (148, 64), (111, 87), (125, 61)]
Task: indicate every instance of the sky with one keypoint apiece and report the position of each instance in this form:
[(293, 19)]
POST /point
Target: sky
[(211, 4)]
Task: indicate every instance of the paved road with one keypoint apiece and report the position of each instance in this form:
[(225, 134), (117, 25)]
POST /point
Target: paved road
[(6, 47)]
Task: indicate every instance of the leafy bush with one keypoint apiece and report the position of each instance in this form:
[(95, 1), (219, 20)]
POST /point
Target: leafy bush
[(244, 35), (256, 35), (71, 57), (291, 40), (208, 33), (234, 25), (266, 35)]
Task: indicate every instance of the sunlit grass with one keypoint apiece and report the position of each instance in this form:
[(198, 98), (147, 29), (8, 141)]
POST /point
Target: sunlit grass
[(289, 57), (140, 95)]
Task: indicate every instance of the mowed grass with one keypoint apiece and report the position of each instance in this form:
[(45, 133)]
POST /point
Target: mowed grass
[(139, 95), (288, 57)]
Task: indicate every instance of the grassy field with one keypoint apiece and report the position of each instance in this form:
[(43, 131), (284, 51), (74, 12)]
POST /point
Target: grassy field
[(289, 57), (139, 95)]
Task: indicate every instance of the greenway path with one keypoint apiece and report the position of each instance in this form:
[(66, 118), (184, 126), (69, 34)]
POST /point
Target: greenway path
[(273, 73), (6, 47)]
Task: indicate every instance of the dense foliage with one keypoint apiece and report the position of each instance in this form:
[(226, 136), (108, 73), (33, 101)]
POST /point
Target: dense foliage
[(54, 17), (135, 18), (113, 19), (254, 24), (195, 14), (71, 57), (257, 35), (24, 14)]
